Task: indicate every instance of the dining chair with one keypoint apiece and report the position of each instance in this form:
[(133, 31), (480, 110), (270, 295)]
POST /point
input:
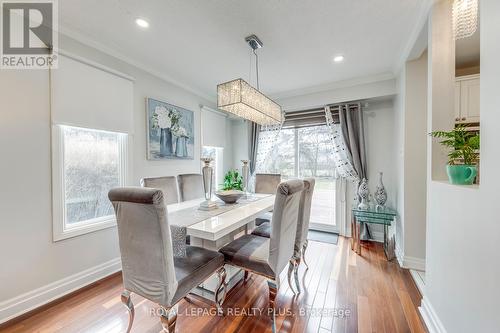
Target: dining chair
[(264, 230), (152, 265), (190, 186), (266, 183), (168, 185), (267, 257)]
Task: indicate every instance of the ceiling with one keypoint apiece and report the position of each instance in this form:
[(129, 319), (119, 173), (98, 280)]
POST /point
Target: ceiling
[(200, 43)]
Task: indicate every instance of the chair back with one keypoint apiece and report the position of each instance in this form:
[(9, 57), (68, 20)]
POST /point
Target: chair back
[(190, 186), (304, 215), (145, 243), (284, 223), (267, 183), (168, 185)]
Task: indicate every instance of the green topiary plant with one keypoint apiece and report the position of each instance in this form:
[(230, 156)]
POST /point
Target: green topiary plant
[(463, 145), (232, 181)]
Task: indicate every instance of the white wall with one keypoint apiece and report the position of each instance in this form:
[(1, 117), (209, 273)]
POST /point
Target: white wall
[(353, 90), (415, 162), (379, 138), (463, 229), (29, 258), (411, 154)]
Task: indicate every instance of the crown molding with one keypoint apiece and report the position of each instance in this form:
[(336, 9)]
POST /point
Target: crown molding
[(425, 8), (334, 85), (87, 41)]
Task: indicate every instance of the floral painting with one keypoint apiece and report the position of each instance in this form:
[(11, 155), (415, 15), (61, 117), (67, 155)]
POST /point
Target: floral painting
[(170, 131)]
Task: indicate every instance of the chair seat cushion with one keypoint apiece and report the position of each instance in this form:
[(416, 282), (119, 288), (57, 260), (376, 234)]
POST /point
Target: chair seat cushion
[(249, 252), (266, 217), (263, 230), (194, 268)]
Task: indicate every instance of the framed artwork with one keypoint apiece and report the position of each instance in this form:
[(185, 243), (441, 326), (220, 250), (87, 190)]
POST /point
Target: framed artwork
[(170, 131)]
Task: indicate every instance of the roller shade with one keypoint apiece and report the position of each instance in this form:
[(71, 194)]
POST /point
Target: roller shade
[(213, 125), (306, 118), (86, 95)]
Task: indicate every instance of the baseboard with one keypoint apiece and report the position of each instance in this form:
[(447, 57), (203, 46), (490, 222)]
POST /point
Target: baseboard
[(409, 262), (418, 281), (414, 263), (31, 300), (432, 321)]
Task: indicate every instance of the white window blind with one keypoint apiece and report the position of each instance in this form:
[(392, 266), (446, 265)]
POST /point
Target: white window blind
[(85, 95), (213, 126)]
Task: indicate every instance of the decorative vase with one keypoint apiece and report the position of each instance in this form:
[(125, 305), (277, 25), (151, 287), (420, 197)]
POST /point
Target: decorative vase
[(245, 171), (166, 142), (363, 193), (181, 147), (380, 193), (461, 174), (207, 173)]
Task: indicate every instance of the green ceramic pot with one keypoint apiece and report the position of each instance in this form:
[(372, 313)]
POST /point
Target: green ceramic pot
[(461, 174)]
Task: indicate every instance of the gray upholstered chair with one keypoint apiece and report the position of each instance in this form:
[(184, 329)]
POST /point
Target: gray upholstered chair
[(149, 266), (266, 183), (269, 256), (264, 230), (190, 186), (168, 185)]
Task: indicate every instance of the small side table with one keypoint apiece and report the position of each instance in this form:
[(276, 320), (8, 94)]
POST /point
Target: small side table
[(381, 215)]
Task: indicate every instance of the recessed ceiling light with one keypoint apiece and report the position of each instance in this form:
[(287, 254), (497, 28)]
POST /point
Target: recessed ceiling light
[(142, 23), (338, 58)]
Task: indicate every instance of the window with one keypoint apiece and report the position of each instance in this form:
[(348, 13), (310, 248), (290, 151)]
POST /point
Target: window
[(87, 164), (216, 153), (307, 152)]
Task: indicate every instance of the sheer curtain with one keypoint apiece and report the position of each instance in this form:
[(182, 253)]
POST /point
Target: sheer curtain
[(262, 145), (349, 143)]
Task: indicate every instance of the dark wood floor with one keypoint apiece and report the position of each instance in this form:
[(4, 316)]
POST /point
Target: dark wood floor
[(343, 293)]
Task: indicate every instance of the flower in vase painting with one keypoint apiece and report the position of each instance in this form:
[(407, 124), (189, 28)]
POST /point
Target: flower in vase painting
[(161, 118), (180, 132)]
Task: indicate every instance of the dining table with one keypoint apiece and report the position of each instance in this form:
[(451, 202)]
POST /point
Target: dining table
[(213, 229)]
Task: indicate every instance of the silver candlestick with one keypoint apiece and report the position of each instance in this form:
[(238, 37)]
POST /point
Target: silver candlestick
[(207, 173), (245, 172)]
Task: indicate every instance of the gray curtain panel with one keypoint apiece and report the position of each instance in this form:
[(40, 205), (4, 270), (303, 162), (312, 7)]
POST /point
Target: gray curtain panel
[(253, 144), (351, 123)]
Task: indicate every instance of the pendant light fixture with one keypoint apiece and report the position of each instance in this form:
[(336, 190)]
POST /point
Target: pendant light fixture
[(241, 99), (465, 18)]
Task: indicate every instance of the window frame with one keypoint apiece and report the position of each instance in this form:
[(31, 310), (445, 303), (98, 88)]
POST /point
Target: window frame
[(60, 230)]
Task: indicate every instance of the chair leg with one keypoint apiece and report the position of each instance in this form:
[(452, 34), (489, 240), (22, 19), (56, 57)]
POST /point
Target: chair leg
[(220, 290), (168, 319), (304, 248), (273, 291), (245, 276), (127, 301), (296, 273), (291, 267)]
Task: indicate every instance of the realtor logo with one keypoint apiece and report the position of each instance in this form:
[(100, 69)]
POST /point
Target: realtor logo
[(29, 37)]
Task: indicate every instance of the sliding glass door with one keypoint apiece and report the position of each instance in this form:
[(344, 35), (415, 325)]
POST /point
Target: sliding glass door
[(306, 152)]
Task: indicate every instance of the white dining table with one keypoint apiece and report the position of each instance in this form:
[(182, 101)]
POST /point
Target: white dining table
[(220, 228)]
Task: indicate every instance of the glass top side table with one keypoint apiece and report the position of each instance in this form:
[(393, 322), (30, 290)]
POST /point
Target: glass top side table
[(374, 215)]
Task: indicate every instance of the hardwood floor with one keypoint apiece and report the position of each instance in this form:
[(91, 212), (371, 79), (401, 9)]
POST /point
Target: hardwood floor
[(343, 293)]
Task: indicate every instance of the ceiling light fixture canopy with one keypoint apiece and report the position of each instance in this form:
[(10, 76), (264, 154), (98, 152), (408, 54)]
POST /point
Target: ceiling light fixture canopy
[(465, 18), (241, 99)]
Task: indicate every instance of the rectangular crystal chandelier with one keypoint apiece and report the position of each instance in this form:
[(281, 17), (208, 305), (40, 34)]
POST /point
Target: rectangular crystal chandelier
[(241, 99), (465, 18)]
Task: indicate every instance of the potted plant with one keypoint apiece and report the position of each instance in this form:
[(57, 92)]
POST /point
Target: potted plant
[(232, 188), (463, 155)]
